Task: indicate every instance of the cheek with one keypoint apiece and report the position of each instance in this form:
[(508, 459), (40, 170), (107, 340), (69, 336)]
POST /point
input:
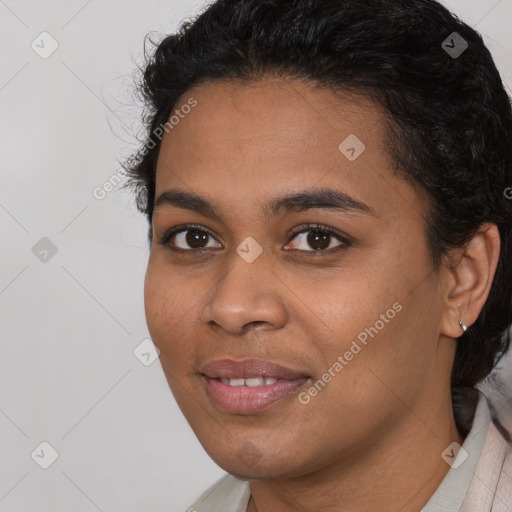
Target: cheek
[(155, 298), (172, 307), (377, 317), (164, 306)]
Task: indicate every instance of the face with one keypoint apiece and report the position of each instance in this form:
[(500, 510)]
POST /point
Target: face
[(287, 253)]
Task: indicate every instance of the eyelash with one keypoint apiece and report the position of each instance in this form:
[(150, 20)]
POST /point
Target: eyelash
[(303, 228)]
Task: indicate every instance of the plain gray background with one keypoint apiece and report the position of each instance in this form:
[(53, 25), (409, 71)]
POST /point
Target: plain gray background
[(70, 321)]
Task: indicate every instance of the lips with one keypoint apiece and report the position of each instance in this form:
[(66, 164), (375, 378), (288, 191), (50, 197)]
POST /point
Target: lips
[(248, 368), (251, 385)]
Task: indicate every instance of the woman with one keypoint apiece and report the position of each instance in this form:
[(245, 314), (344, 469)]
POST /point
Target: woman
[(329, 278)]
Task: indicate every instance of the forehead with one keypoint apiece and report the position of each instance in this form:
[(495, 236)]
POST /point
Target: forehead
[(247, 142), (284, 112)]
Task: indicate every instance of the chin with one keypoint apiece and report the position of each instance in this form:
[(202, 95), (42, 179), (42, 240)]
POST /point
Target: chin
[(245, 476), (263, 469)]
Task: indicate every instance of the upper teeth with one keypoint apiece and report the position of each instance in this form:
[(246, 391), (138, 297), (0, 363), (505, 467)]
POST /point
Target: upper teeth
[(251, 382)]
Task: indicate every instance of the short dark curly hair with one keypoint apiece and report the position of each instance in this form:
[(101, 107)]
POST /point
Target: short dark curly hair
[(448, 116)]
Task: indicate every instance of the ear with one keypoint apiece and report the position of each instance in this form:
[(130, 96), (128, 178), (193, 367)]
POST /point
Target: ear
[(469, 278)]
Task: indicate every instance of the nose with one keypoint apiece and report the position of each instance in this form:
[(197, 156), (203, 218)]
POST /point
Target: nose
[(248, 295)]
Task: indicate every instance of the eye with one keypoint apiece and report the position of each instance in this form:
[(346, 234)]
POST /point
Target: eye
[(192, 237), (318, 237), (188, 237)]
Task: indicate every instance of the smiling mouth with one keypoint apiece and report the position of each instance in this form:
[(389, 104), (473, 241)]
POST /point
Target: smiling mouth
[(249, 386)]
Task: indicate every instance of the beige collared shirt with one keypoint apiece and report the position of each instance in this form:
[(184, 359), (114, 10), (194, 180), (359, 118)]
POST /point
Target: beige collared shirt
[(479, 479)]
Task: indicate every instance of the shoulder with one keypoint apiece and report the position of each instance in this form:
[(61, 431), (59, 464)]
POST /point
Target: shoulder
[(503, 500)]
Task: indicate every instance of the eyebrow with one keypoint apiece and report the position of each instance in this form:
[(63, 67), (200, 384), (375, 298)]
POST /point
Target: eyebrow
[(329, 199)]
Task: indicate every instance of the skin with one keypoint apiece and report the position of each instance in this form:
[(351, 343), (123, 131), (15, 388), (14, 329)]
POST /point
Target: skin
[(376, 432)]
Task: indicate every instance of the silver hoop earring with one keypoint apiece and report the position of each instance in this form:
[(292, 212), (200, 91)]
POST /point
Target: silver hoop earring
[(463, 326)]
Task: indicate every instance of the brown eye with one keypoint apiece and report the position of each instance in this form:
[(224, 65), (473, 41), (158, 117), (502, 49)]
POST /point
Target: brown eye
[(196, 239), (188, 239), (317, 239)]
